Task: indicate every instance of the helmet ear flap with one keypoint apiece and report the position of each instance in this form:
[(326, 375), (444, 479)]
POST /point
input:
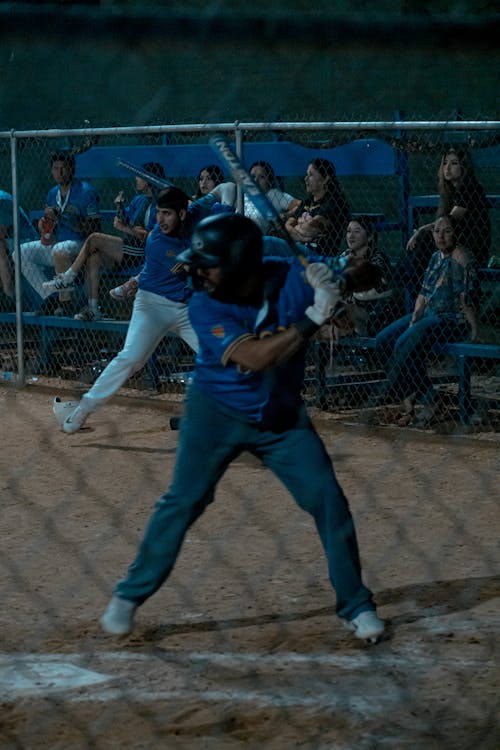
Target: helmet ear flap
[(62, 409)]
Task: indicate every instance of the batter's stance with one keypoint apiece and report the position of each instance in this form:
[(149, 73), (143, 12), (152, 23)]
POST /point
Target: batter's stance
[(253, 319)]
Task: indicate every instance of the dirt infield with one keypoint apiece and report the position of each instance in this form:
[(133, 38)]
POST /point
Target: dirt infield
[(241, 648)]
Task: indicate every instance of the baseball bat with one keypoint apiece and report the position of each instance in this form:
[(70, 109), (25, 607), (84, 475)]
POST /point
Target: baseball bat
[(157, 182), (254, 193)]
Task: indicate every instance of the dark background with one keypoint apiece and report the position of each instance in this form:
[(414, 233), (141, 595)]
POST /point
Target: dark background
[(128, 63)]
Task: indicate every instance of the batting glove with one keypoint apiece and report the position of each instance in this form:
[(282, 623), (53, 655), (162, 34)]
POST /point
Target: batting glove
[(318, 274), (326, 298)]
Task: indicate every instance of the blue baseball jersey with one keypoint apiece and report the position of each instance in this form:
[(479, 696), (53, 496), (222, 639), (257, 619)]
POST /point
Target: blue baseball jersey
[(135, 212), (82, 203), (263, 397), (161, 256)]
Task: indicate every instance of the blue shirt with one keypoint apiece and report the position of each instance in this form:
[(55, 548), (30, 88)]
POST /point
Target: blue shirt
[(26, 229), (161, 256), (82, 203), (135, 212), (444, 282), (264, 397)]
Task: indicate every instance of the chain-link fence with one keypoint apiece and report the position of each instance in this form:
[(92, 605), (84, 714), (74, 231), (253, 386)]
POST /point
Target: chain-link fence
[(390, 179), (241, 647)]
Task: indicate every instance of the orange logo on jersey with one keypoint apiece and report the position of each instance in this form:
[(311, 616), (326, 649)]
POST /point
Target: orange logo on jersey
[(218, 331)]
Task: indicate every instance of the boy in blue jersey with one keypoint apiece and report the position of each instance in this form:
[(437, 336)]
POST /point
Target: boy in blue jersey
[(160, 306), (253, 319)]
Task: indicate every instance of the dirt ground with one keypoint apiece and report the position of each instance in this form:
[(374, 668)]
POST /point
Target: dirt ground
[(241, 647)]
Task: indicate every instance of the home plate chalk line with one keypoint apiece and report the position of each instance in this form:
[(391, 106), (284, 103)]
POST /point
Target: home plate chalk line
[(71, 676)]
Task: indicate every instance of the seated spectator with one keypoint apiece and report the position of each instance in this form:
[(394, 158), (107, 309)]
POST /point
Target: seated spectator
[(99, 250), (442, 312), (320, 220), (208, 178), (366, 313), (72, 210), (463, 197), (26, 232), (263, 174)]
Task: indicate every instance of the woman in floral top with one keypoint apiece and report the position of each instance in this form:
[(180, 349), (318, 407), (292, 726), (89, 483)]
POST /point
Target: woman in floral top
[(442, 312)]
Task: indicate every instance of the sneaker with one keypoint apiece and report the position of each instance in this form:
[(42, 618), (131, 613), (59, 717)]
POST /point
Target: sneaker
[(76, 420), (367, 626), (57, 284), (88, 314), (118, 618), (125, 291)]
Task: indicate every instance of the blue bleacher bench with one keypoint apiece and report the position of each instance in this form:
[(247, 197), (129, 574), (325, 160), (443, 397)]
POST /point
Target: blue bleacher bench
[(359, 158)]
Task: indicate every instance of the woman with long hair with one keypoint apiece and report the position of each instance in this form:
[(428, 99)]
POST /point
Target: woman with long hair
[(462, 197), (320, 220)]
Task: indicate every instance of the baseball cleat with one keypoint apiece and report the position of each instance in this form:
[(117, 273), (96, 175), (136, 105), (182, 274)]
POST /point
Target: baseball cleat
[(63, 409), (76, 420), (118, 618), (366, 626)]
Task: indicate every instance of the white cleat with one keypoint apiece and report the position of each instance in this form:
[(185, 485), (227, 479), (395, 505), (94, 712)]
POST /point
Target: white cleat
[(76, 420), (367, 626), (118, 618)]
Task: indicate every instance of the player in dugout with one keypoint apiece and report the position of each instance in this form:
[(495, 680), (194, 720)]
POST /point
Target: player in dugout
[(253, 318)]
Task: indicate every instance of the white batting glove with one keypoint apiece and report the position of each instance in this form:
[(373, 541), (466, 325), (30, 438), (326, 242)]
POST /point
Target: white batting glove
[(318, 274), (326, 298)]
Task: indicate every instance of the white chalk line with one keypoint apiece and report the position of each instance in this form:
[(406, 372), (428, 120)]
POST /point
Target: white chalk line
[(368, 660), (286, 698), (38, 675)]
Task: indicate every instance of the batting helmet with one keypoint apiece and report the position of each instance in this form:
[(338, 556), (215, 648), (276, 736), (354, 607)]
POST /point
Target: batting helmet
[(230, 242), (62, 409)]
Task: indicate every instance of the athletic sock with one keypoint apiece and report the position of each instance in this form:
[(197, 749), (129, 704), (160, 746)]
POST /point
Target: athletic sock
[(69, 275), (94, 304)]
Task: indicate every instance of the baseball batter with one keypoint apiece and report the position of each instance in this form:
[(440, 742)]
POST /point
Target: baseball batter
[(253, 317)]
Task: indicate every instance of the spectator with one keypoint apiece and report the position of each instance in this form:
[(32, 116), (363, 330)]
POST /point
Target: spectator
[(99, 250), (320, 220), (463, 197), (263, 174), (208, 178), (442, 312), (26, 232), (72, 207), (366, 313)]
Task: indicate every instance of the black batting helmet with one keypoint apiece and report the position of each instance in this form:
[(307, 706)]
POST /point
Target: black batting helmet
[(230, 242)]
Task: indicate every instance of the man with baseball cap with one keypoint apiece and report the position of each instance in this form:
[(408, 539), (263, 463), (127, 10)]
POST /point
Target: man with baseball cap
[(253, 318)]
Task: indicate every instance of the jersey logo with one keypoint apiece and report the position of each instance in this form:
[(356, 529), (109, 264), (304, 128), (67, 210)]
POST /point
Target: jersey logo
[(218, 332)]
